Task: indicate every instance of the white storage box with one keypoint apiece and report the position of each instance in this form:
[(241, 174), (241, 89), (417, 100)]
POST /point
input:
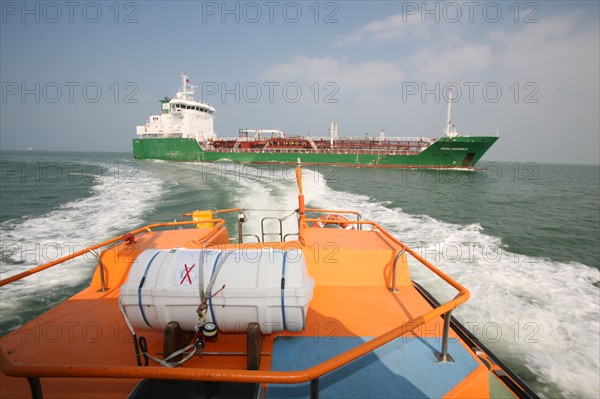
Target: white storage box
[(164, 286)]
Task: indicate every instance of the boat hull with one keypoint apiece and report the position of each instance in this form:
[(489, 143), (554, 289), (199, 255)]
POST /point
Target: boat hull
[(82, 347), (458, 152)]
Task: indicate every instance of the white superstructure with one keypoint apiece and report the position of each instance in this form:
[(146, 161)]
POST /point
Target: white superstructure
[(181, 117)]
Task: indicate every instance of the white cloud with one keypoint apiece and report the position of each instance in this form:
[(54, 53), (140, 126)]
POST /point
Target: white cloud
[(368, 75), (558, 52), (435, 51), (393, 27), (451, 64), (560, 57), (427, 64)]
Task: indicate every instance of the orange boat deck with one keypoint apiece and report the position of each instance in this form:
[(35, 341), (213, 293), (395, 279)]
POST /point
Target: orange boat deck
[(87, 339)]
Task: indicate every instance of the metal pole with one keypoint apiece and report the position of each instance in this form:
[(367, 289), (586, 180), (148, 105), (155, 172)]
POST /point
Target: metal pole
[(241, 220), (101, 267), (36, 387), (394, 289), (314, 389), (443, 356)]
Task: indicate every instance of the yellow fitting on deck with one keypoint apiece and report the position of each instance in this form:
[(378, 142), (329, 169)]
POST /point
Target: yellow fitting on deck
[(203, 215)]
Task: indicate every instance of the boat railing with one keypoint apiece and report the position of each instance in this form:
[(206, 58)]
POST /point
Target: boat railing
[(330, 151), (373, 138), (241, 219), (217, 223), (442, 355), (278, 233), (33, 372), (338, 211)]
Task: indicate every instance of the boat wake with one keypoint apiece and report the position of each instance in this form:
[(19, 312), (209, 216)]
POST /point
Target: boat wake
[(533, 312), (539, 315), (112, 206)]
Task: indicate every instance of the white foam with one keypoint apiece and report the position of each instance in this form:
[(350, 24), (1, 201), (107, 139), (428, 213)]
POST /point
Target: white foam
[(534, 311), (260, 191), (114, 206), (529, 310)]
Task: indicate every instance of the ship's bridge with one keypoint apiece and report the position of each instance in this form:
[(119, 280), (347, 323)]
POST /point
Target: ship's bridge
[(181, 117), (177, 105)]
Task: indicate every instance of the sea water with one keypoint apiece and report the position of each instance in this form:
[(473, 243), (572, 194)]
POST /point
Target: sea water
[(524, 238)]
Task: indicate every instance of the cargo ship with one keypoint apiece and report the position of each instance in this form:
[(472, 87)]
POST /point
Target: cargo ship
[(192, 309), (184, 131)]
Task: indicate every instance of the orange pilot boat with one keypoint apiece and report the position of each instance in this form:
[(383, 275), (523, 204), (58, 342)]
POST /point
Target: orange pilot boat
[(180, 309)]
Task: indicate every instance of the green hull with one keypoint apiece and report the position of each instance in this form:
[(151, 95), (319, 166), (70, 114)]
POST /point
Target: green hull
[(459, 152)]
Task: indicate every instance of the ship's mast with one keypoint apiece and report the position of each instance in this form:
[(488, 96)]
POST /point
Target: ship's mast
[(187, 90), (448, 132), (448, 122), (333, 132)]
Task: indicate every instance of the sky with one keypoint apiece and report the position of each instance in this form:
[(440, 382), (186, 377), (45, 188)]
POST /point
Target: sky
[(79, 76)]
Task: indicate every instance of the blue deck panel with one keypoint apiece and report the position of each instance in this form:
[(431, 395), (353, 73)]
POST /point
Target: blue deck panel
[(403, 368)]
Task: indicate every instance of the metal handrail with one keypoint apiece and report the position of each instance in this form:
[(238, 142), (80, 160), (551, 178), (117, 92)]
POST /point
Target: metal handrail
[(19, 369), (290, 234), (262, 228), (394, 289), (338, 151), (316, 210), (218, 211), (358, 215), (415, 255), (443, 355), (100, 271), (252, 376), (252, 235), (219, 224)]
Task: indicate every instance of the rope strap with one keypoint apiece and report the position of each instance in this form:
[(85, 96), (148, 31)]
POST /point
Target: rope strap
[(190, 349)]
